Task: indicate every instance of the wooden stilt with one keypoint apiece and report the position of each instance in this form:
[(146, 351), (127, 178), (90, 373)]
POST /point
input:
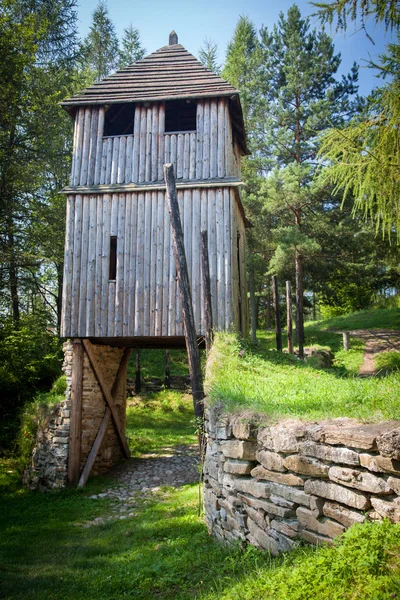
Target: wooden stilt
[(74, 453), (205, 274), (278, 330), (186, 301)]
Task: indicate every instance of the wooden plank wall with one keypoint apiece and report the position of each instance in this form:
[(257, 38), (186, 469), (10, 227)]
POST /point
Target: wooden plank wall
[(143, 300), (205, 154)]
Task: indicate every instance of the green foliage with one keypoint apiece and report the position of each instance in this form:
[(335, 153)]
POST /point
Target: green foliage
[(152, 363), (101, 48), (386, 362), (386, 11), (131, 47), (208, 56)]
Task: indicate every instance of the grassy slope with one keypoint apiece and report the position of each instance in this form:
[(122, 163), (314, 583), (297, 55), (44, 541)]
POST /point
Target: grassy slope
[(165, 551), (279, 385)]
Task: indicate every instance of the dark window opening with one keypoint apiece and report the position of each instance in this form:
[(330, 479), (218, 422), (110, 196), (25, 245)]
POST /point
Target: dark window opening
[(180, 115), (119, 119), (113, 258)]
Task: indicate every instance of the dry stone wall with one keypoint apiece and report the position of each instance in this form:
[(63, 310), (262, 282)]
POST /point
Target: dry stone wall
[(48, 467), (273, 486)]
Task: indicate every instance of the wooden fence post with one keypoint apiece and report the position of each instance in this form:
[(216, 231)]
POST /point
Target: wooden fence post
[(278, 330), (205, 274), (346, 340), (74, 448), (289, 319), (186, 300)]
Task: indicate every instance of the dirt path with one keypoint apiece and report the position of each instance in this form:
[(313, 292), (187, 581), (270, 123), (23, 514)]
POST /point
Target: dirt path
[(376, 340), (138, 480)]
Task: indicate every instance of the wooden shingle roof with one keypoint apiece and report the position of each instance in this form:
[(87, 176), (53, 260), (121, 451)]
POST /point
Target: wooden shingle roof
[(170, 73)]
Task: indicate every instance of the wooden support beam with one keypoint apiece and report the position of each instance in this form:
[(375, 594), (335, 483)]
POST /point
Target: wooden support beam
[(278, 331), (289, 319), (186, 298), (205, 274), (121, 373), (74, 448), (107, 397)]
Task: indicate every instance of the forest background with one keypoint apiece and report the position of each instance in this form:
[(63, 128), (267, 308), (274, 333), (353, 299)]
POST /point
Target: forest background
[(322, 182)]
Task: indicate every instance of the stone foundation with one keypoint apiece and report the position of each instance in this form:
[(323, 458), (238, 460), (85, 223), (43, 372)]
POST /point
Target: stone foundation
[(272, 486), (49, 463)]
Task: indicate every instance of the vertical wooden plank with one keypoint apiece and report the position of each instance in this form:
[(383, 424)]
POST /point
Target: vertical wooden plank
[(111, 308), (192, 159), (228, 143), (74, 148), (159, 265), (142, 144), (203, 227), (146, 261), (213, 139), (212, 252), (186, 155), (132, 262), (139, 287), (109, 159), (93, 145), (172, 283), (114, 164), (86, 147), (167, 149), (121, 160), (173, 155), (153, 263), (206, 299), (149, 115), (179, 156), (84, 267), (199, 140), (206, 140), (99, 258), (155, 140), (136, 144), (103, 167), (76, 267), (228, 308), (127, 263), (105, 263), (235, 270), (220, 315), (161, 131), (178, 305), (77, 160), (68, 266), (119, 288), (99, 146), (166, 267), (221, 138), (91, 268), (114, 216), (75, 431), (195, 252), (128, 161)]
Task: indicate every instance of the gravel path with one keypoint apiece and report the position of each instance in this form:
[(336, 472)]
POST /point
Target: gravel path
[(138, 480)]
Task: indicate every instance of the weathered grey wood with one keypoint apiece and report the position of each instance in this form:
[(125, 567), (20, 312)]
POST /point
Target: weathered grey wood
[(199, 140), (278, 330), (146, 260), (107, 397), (121, 160), (103, 168), (167, 148), (119, 291), (128, 161), (346, 340), (119, 378), (142, 145), (173, 155), (203, 226), (161, 130), (205, 274), (186, 155), (136, 144), (159, 266), (111, 308), (179, 155), (228, 257), (91, 270), (77, 160), (83, 180), (93, 146), (154, 143), (139, 287), (76, 267), (153, 264), (221, 139), (75, 431), (74, 149), (184, 286), (109, 162), (192, 157), (194, 241), (114, 163), (99, 146), (105, 263), (127, 295), (99, 255), (229, 169), (213, 139), (132, 263), (68, 266), (206, 140), (147, 175), (212, 251), (221, 293), (289, 318)]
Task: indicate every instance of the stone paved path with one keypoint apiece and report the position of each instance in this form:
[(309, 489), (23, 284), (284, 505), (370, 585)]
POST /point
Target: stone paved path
[(140, 479)]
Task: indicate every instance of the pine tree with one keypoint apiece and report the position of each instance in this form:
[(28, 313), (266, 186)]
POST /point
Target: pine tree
[(100, 47), (208, 56), (131, 47)]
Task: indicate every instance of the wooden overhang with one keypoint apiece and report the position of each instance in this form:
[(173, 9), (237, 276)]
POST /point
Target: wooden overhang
[(170, 73)]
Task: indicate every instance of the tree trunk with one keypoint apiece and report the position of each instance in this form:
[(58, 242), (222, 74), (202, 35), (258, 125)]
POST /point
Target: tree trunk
[(299, 304), (13, 273), (289, 317), (268, 305)]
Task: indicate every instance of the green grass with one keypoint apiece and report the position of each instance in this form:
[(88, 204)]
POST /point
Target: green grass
[(280, 385), (378, 318), (152, 363), (164, 551), (387, 362)]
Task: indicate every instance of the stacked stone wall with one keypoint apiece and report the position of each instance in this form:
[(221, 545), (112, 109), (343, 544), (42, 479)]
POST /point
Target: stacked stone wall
[(273, 486), (48, 468)]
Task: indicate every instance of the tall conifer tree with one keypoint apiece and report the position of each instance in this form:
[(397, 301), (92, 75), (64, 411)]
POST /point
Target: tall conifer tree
[(131, 47), (100, 47)]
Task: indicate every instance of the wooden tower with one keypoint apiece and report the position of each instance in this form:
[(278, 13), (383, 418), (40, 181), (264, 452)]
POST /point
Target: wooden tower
[(120, 285)]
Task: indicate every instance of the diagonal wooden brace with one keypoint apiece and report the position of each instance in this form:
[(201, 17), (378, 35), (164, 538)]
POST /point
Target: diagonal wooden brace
[(103, 426), (107, 397)]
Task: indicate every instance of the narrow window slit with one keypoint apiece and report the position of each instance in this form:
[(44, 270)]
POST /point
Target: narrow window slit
[(113, 258)]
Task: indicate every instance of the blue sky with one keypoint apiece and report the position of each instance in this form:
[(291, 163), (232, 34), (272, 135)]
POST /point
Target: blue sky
[(195, 20)]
